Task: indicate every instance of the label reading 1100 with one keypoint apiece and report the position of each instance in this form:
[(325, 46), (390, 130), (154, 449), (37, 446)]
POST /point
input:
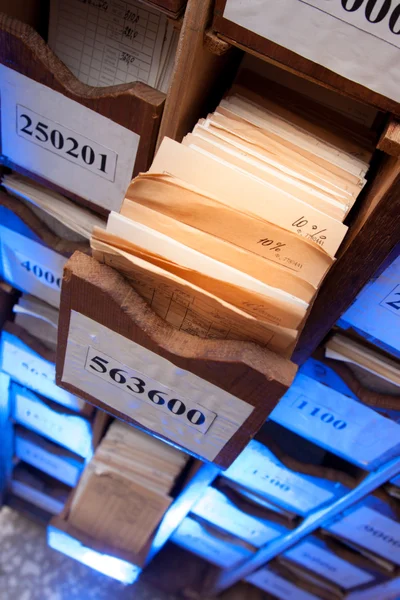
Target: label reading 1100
[(66, 143), (320, 413), (148, 390)]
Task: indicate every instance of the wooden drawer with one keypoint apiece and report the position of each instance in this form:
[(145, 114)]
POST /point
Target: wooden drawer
[(227, 388), (374, 315), (112, 133), (35, 487), (32, 257), (282, 33), (207, 542), (31, 364), (370, 526), (50, 420), (322, 407), (239, 518), (272, 480)]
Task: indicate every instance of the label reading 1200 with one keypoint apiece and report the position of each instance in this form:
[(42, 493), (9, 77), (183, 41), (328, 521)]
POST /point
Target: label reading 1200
[(148, 390), (66, 143)]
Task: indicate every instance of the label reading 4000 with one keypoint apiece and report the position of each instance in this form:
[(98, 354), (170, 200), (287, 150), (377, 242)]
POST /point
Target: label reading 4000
[(65, 142), (148, 390)]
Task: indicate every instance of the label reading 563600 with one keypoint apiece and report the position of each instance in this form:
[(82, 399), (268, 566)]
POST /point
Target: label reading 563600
[(66, 143), (148, 390)]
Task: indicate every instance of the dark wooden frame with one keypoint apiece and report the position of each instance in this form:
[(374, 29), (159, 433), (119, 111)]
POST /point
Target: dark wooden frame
[(249, 372)]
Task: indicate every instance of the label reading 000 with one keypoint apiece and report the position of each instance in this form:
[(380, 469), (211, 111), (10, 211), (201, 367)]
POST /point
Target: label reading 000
[(148, 390), (66, 143)]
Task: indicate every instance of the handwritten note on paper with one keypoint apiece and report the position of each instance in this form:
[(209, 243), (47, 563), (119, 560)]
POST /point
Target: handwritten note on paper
[(108, 42), (189, 309)]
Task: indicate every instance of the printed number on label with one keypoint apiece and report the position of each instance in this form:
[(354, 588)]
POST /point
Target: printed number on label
[(320, 413), (392, 301), (66, 143), (42, 274), (148, 390)]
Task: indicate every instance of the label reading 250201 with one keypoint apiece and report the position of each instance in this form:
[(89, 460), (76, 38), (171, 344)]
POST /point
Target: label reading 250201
[(148, 390), (66, 143)]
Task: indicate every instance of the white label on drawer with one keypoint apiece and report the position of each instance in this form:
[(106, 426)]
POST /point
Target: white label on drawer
[(216, 508), (187, 398), (71, 432), (376, 310), (39, 499), (65, 142), (355, 38), (58, 467), (29, 369), (224, 553), (371, 530), (148, 390), (328, 565), (257, 469), (273, 584), (336, 422), (31, 267)]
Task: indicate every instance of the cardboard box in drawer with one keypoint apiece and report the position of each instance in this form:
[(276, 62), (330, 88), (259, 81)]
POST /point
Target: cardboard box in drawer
[(222, 550), (259, 470), (216, 508), (46, 418), (336, 421), (32, 370), (375, 314), (314, 555), (270, 582), (371, 526), (50, 458)]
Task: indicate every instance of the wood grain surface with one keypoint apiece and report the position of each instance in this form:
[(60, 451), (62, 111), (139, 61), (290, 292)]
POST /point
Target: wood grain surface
[(136, 106), (272, 52), (243, 369)]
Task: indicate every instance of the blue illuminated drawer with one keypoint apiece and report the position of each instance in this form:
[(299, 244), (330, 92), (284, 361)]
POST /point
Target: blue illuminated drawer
[(320, 407), (370, 525), (216, 508), (222, 550), (114, 567), (270, 582), (28, 368), (65, 428), (375, 314), (257, 469)]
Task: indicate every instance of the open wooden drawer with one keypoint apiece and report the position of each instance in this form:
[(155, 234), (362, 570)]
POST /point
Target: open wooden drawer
[(82, 141), (109, 338)]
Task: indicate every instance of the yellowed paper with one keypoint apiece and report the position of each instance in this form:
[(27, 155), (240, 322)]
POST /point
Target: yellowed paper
[(189, 308), (247, 293), (248, 194), (189, 205), (248, 262), (246, 163)]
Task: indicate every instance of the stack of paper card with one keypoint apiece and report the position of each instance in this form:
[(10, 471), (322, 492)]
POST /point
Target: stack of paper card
[(230, 233), (108, 42), (125, 489)]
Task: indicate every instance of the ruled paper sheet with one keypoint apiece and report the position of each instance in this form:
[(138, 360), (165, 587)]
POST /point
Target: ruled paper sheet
[(109, 42)]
